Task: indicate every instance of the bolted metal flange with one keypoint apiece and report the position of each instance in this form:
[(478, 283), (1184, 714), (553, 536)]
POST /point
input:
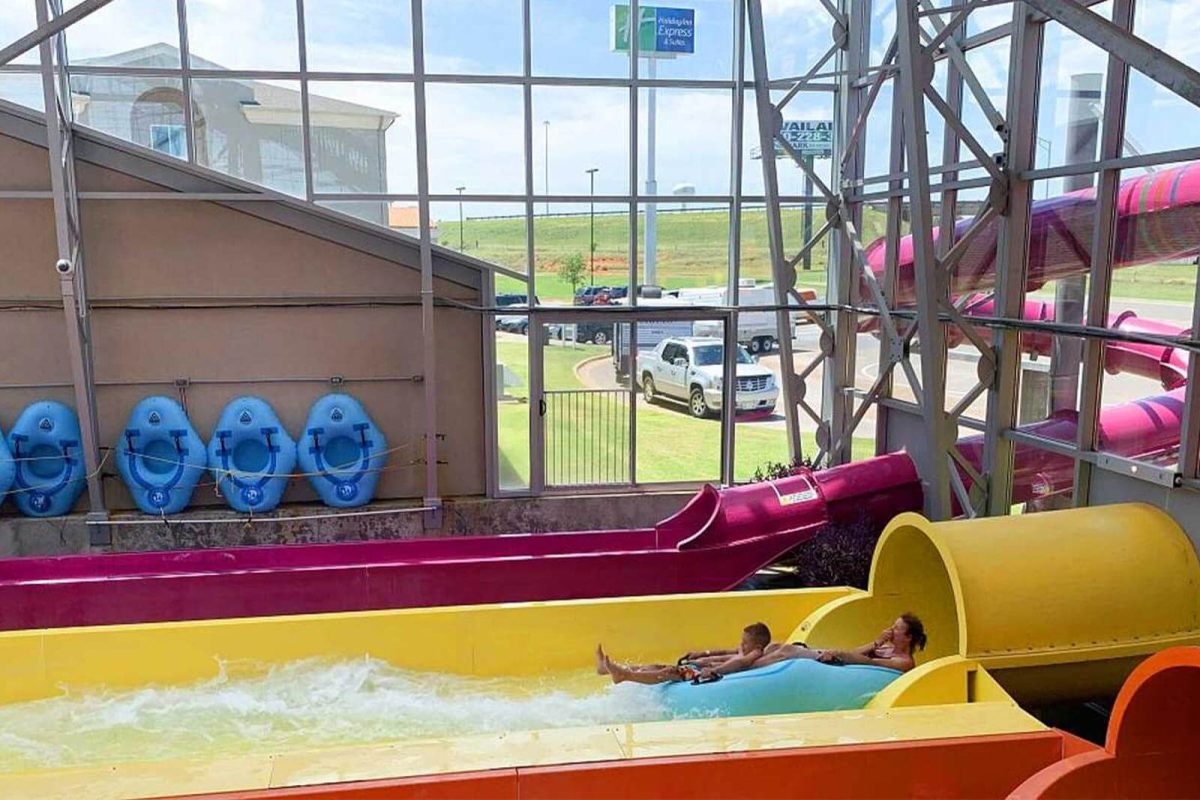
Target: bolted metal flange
[(985, 370), (823, 436), (827, 342), (841, 36), (923, 69), (833, 212), (998, 194), (788, 277)]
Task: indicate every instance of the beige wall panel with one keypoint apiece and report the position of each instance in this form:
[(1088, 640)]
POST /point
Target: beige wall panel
[(92, 178), (26, 166), (27, 250), (186, 249), (33, 348)]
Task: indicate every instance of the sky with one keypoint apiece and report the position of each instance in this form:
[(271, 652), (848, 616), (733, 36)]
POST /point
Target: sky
[(476, 131)]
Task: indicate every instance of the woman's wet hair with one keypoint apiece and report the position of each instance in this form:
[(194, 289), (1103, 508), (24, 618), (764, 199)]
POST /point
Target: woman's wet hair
[(916, 629)]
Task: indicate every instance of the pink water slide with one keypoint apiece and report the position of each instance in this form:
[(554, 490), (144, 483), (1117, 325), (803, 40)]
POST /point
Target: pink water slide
[(1146, 429), (1158, 219), (720, 538)]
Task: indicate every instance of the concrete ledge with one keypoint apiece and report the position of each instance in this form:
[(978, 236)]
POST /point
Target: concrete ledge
[(293, 524)]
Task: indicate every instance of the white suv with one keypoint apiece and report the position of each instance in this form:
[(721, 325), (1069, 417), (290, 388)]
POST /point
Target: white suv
[(690, 371)]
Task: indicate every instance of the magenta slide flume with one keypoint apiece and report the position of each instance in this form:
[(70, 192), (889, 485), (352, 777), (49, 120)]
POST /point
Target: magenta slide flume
[(716, 541)]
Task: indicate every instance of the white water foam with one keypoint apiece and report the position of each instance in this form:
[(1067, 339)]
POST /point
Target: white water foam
[(309, 703)]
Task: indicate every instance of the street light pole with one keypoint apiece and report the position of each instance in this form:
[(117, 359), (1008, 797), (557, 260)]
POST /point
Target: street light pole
[(460, 189), (592, 222), (546, 165), (651, 257)]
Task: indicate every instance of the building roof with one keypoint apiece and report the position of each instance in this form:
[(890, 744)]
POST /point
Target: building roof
[(268, 96), (406, 217)]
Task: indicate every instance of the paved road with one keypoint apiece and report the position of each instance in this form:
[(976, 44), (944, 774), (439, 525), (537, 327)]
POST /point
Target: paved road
[(960, 375)]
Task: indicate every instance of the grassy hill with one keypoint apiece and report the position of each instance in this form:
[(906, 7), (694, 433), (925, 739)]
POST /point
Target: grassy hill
[(692, 246)]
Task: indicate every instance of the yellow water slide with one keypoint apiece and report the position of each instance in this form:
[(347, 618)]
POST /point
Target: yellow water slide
[(1055, 606)]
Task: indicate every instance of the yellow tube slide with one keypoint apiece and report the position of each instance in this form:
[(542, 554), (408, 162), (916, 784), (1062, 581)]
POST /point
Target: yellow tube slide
[(1056, 606)]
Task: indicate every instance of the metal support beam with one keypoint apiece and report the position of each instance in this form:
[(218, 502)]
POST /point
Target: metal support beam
[(45, 30), (916, 71), (1112, 135), (634, 279), (1189, 453), (1012, 255), (428, 327), (533, 354), (734, 260), (70, 265), (784, 278), (892, 233), (1134, 51), (835, 435)]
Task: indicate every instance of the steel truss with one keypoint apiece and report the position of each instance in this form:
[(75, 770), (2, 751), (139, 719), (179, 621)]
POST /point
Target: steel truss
[(70, 266), (926, 34)]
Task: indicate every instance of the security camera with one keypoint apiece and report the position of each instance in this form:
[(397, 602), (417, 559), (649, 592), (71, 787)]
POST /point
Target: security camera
[(64, 267)]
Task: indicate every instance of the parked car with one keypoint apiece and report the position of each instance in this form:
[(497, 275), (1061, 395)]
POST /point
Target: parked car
[(594, 332), (689, 370), (513, 324), (587, 295), (503, 300)]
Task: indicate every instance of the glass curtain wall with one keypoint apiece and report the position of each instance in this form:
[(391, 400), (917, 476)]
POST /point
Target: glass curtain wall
[(523, 133), (547, 150)]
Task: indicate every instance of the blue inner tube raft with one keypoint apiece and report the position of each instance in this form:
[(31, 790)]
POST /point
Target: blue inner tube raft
[(251, 455), (342, 451), (789, 687), (49, 473), (160, 456), (8, 469)]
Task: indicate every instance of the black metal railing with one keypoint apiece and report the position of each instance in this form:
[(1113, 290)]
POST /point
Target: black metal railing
[(587, 437)]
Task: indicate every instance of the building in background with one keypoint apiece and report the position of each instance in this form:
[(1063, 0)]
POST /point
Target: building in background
[(407, 220), (245, 128)]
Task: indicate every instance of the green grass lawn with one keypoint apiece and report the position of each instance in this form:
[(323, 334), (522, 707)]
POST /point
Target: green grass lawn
[(1165, 282), (672, 446), (692, 251)]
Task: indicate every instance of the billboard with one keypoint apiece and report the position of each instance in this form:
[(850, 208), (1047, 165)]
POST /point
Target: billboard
[(810, 138), (662, 32)]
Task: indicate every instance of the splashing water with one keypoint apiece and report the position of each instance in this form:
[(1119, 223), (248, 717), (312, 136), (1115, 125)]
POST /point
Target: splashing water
[(303, 704)]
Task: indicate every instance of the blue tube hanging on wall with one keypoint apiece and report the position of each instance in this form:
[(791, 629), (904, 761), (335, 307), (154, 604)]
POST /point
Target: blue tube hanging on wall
[(342, 451), (8, 469), (251, 455), (160, 456), (49, 470)]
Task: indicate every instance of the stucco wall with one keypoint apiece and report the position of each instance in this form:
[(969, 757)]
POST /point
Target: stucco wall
[(222, 266)]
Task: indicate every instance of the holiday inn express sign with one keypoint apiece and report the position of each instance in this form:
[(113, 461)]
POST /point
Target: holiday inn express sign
[(662, 32)]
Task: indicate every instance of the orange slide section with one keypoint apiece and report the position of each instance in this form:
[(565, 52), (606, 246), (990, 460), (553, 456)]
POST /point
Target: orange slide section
[(976, 766), (1153, 746)]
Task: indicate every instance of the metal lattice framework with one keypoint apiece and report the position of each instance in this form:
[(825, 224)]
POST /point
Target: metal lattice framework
[(927, 34)]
